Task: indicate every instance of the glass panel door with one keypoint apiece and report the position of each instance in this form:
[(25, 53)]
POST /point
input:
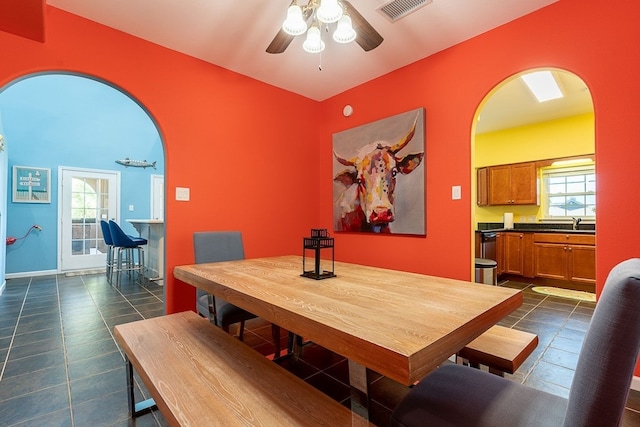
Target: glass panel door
[(87, 197)]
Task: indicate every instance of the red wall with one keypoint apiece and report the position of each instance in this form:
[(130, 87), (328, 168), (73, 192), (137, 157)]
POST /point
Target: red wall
[(246, 150), (23, 17), (595, 41), (256, 161)]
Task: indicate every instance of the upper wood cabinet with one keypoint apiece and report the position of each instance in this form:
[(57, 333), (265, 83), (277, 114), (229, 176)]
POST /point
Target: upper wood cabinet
[(483, 186), (513, 184)]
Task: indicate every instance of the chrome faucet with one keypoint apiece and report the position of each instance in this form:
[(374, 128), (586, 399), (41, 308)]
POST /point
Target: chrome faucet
[(576, 222)]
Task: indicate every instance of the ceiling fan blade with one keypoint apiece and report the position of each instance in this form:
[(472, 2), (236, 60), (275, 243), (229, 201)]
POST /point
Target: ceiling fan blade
[(368, 38), (282, 40)]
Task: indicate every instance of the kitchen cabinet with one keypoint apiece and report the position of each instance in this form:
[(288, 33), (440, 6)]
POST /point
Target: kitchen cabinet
[(567, 257), (517, 253), (512, 184), (500, 253), (482, 186)]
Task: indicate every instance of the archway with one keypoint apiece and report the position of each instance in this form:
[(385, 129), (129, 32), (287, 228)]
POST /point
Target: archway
[(61, 119), (512, 127)]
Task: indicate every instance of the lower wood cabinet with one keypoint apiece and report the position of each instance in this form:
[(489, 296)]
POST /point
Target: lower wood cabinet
[(500, 253), (569, 257), (513, 254), (517, 254)]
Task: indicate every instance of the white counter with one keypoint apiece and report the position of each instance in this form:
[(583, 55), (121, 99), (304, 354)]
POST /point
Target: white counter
[(153, 231)]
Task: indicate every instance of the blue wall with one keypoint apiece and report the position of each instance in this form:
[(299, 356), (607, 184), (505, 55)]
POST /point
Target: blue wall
[(4, 167), (65, 120)]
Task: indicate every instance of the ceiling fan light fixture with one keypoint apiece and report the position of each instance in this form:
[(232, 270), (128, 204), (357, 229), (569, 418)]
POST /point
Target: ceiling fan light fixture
[(344, 32), (294, 24), (322, 14), (313, 43), (329, 11)]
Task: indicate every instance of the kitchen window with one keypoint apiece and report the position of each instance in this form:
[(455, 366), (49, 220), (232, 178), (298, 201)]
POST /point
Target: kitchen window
[(569, 192)]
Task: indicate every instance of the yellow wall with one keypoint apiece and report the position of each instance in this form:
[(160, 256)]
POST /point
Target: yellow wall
[(571, 136)]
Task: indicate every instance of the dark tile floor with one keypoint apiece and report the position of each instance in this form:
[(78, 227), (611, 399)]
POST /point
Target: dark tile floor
[(60, 366)]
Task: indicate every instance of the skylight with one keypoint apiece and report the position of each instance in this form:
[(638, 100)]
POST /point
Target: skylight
[(543, 86)]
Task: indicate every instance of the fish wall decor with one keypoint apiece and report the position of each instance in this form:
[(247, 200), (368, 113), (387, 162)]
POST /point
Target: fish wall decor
[(136, 163)]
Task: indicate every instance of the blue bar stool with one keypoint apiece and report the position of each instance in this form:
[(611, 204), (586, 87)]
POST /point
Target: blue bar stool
[(125, 248), (106, 235)]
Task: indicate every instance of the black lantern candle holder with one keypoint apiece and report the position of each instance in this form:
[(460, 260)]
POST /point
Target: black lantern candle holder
[(318, 241)]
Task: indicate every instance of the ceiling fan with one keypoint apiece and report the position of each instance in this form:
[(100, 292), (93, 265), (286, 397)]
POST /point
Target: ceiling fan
[(366, 36)]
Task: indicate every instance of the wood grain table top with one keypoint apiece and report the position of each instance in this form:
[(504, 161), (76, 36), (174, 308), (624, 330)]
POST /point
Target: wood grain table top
[(399, 324)]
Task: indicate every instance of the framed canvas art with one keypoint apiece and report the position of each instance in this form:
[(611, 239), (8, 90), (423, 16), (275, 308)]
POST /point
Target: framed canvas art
[(379, 176), (31, 185)]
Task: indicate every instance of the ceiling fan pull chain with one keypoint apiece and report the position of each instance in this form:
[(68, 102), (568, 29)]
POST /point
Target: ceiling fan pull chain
[(320, 54)]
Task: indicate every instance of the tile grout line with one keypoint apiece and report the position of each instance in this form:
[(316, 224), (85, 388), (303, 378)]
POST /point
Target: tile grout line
[(537, 362), (64, 348), (28, 292), (99, 312), (549, 345), (530, 311), (13, 335), (97, 306)]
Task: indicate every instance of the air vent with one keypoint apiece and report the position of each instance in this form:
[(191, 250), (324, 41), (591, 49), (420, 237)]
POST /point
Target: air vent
[(394, 10)]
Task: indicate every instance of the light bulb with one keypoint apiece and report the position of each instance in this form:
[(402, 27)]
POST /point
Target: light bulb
[(313, 43), (294, 24), (344, 32), (329, 11)]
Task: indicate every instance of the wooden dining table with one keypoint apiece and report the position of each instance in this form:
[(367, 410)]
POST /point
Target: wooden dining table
[(399, 324)]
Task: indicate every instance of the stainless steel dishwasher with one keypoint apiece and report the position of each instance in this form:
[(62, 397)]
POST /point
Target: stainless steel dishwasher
[(488, 245)]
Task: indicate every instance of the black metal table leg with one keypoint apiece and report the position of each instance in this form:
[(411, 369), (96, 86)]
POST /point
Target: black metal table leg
[(140, 408)]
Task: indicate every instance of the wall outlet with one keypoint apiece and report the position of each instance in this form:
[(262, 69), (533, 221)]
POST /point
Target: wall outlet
[(130, 208)]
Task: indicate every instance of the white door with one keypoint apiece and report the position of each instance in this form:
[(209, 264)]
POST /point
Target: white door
[(157, 196), (86, 197)]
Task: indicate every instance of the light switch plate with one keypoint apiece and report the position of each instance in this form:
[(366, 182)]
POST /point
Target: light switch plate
[(182, 194), (456, 192)]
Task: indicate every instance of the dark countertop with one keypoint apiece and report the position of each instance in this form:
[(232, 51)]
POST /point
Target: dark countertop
[(537, 228)]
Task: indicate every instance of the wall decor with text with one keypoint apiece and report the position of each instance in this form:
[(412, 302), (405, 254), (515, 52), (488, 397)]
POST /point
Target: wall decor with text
[(31, 185)]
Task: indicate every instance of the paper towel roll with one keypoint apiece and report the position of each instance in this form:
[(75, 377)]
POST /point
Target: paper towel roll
[(508, 220)]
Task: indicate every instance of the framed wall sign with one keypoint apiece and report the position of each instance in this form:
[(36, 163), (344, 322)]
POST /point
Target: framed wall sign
[(31, 185)]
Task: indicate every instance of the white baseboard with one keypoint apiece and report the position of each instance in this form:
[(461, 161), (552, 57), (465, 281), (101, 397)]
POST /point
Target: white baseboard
[(30, 274), (635, 383)]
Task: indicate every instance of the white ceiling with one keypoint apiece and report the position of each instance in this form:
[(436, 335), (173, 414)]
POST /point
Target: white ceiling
[(513, 104), (234, 34)]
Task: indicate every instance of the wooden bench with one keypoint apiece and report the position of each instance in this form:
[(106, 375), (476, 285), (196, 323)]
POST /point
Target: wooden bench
[(501, 349), (198, 375)]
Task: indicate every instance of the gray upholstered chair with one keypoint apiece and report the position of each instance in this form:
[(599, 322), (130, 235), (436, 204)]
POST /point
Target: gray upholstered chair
[(456, 395), (217, 246)]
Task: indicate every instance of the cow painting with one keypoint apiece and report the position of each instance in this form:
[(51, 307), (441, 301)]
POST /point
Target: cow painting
[(367, 183)]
